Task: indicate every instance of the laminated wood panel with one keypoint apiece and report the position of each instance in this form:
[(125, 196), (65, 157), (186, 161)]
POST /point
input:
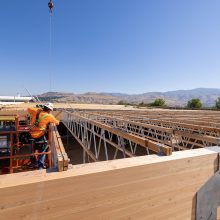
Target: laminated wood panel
[(148, 187)]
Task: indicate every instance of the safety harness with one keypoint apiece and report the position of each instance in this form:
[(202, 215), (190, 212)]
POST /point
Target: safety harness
[(38, 120)]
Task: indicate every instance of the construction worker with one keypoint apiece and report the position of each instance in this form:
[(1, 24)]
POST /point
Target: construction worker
[(40, 119)]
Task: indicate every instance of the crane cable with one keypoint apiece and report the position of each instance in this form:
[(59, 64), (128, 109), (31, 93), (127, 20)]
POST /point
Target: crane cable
[(50, 6), (50, 54)]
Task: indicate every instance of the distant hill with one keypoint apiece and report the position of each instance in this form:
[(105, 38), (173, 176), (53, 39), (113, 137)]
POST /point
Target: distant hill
[(90, 97), (173, 98)]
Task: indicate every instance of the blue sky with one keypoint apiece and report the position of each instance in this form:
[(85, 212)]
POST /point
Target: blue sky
[(128, 46)]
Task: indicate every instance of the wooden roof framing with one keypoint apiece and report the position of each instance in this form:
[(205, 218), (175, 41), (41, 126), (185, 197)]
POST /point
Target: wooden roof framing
[(171, 133)]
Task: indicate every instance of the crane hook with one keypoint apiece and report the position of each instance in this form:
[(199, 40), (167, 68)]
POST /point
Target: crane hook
[(50, 5)]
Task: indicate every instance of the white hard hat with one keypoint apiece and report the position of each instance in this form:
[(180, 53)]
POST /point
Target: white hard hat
[(49, 106)]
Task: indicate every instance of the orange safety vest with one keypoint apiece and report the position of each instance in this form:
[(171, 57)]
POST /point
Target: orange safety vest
[(39, 130)]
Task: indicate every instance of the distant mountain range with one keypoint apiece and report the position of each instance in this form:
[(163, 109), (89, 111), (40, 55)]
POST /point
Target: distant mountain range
[(173, 98)]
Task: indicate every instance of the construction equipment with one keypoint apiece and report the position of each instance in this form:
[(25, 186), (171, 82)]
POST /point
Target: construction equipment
[(16, 148), (50, 6)]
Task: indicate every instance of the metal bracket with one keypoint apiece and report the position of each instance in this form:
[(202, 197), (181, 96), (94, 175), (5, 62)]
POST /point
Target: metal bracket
[(218, 141), (160, 149), (208, 197)]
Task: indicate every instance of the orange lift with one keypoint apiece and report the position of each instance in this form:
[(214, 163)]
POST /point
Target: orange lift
[(16, 148)]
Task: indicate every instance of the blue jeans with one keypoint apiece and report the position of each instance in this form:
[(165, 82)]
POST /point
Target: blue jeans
[(42, 148)]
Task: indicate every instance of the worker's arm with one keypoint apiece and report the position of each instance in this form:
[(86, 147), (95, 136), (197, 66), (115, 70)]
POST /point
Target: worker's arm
[(54, 120)]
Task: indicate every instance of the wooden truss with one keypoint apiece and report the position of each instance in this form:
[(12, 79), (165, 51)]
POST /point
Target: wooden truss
[(128, 131)]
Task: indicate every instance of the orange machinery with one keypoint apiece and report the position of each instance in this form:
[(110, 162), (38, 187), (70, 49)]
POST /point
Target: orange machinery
[(15, 153)]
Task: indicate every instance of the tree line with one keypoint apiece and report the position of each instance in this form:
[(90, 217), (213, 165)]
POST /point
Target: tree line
[(193, 103)]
